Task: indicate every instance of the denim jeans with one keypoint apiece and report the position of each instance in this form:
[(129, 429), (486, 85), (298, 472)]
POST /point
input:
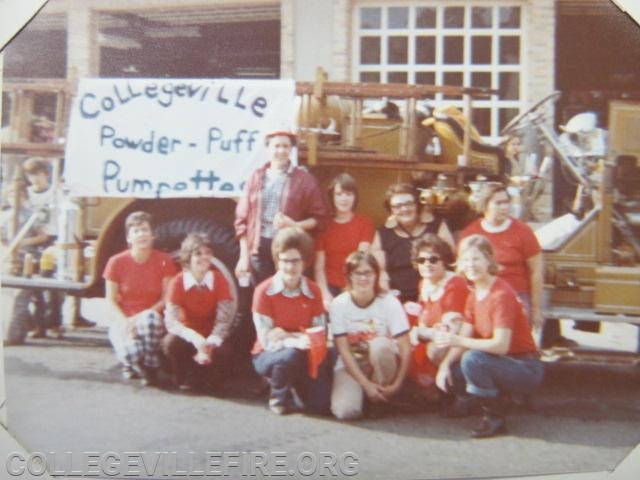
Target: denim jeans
[(287, 368), (262, 266), (487, 375)]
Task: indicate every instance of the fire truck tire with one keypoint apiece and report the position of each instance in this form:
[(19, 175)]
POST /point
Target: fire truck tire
[(169, 235)]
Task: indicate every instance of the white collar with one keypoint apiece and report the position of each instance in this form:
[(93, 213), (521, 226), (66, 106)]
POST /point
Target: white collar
[(490, 228), (189, 281), (434, 292), (277, 286)]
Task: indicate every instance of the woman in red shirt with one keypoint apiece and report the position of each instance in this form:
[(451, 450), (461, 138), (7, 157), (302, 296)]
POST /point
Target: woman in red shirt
[(347, 232), (442, 295), (198, 317), (284, 307), (494, 352)]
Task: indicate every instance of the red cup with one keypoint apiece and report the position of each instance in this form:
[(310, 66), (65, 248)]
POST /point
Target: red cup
[(317, 349)]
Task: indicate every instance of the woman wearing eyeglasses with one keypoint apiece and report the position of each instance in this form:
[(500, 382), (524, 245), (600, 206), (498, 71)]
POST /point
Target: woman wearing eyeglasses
[(442, 296), (347, 232), (371, 335), (284, 307), (516, 249), (494, 353), (394, 239)]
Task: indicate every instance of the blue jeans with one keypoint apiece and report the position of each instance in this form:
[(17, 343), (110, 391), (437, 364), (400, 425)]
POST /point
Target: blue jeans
[(287, 368), (487, 375), (262, 266)]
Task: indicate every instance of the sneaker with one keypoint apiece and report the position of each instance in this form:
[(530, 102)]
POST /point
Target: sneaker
[(39, 332), (129, 373), (57, 332), (82, 322), (276, 407), (148, 376)]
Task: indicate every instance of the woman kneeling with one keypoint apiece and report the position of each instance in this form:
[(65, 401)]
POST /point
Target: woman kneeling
[(494, 353), (370, 329)]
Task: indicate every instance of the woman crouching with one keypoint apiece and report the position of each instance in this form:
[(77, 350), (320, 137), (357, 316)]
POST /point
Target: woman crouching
[(494, 353), (371, 334), (287, 307)]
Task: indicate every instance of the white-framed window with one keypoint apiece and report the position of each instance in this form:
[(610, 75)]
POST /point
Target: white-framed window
[(472, 44)]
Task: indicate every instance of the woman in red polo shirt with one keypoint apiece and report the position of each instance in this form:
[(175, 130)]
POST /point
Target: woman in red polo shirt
[(347, 232), (284, 306), (198, 316), (494, 352)]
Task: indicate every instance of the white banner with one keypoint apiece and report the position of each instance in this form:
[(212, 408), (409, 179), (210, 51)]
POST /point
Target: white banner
[(162, 138)]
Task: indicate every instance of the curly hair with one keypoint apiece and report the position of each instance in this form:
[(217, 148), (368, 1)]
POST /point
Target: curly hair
[(292, 238), (432, 242)]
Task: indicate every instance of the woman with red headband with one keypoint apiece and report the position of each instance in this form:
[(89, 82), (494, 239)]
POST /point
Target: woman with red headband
[(277, 195)]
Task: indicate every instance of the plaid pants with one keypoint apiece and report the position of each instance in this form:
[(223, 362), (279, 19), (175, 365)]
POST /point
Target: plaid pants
[(144, 347)]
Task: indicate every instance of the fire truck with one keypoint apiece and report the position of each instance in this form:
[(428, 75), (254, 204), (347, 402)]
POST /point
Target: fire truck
[(591, 253)]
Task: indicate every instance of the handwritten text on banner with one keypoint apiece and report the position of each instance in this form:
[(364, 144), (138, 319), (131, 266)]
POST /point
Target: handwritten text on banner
[(162, 138)]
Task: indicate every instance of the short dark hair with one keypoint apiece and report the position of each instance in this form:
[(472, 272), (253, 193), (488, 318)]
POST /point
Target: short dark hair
[(137, 218), (347, 183), (399, 189), (190, 244), (431, 241), (488, 193), (355, 259), (295, 238)]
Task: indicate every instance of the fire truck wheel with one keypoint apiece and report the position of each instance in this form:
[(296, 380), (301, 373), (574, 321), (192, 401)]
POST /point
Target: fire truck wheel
[(169, 235)]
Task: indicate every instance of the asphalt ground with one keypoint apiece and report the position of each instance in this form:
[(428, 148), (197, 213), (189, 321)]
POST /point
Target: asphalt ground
[(67, 395)]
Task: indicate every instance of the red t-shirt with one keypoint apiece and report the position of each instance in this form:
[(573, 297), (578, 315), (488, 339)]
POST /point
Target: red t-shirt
[(501, 308), (512, 248), (338, 240), (139, 284), (453, 299), (292, 314), (198, 306)]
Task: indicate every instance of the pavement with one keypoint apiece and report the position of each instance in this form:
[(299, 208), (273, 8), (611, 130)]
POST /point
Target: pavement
[(66, 395)]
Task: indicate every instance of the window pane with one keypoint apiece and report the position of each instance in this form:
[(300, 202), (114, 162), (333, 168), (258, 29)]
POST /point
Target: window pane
[(452, 79), (370, 50), (509, 87), (398, 50), (397, 77), (398, 17), (426, 78), (370, 18), (509, 50), (509, 17), (481, 17), (480, 50), (426, 17), (373, 77), (505, 115), (426, 50), (453, 50), (481, 79), (454, 17), (481, 119)]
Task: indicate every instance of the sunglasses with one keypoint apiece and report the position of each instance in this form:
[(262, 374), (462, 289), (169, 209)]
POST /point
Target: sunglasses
[(433, 259)]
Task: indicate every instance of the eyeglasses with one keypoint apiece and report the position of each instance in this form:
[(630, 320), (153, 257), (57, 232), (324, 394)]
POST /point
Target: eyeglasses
[(364, 274), (398, 206), (433, 259), (290, 261)]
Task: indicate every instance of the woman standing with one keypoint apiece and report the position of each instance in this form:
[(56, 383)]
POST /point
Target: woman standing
[(347, 232), (371, 334), (284, 307), (442, 296), (516, 249), (136, 284), (395, 239), (277, 195), (494, 352)]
